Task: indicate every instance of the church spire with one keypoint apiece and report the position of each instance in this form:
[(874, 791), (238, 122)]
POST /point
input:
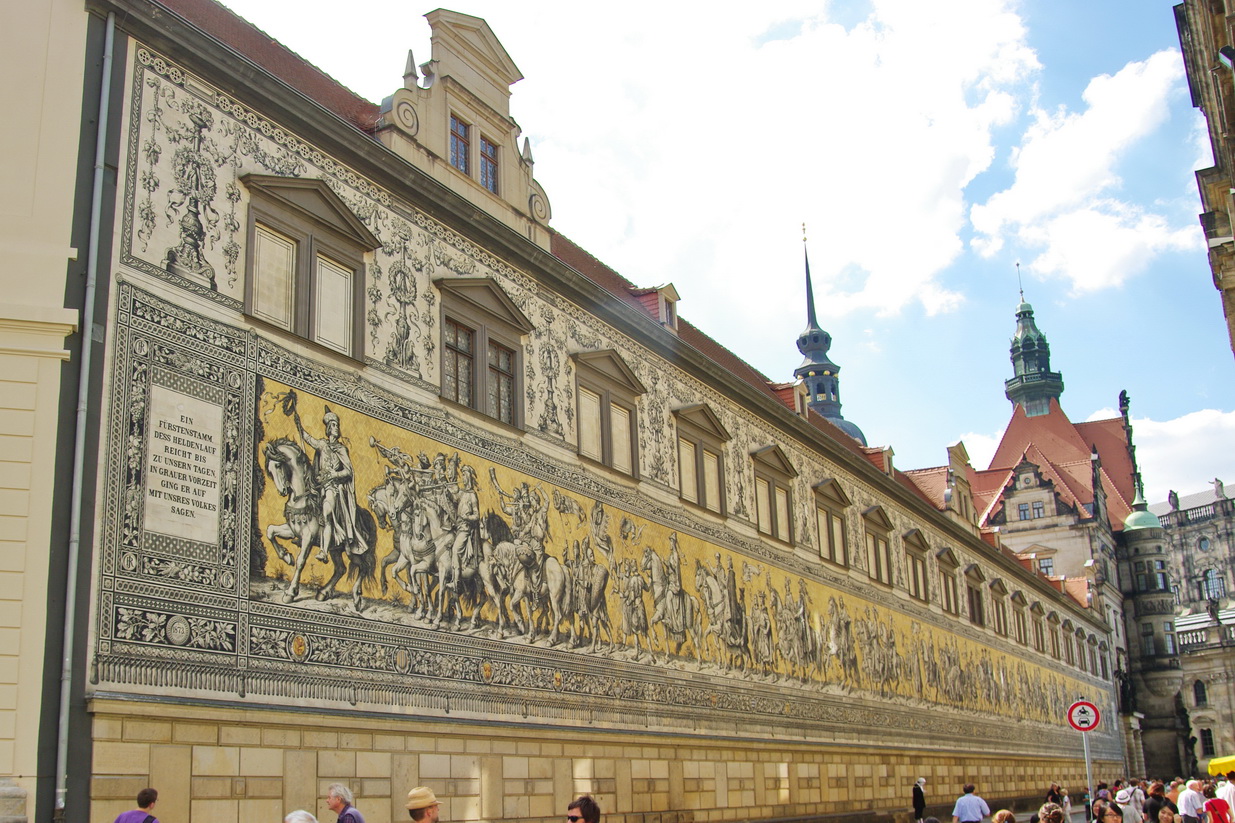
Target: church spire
[(818, 372), (1033, 385)]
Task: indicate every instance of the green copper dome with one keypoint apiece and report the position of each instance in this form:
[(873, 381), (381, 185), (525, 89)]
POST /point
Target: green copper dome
[(1141, 517)]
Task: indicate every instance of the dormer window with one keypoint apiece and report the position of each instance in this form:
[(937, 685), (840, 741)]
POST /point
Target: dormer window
[(667, 298), (460, 145)]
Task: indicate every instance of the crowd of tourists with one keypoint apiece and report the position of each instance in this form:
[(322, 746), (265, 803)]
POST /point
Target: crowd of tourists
[(1124, 801)]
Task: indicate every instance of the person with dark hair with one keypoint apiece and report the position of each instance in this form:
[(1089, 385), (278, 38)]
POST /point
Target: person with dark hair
[(144, 813), (1053, 795), (1216, 809), (422, 805), (1158, 801), (919, 799), (588, 810), (969, 807)]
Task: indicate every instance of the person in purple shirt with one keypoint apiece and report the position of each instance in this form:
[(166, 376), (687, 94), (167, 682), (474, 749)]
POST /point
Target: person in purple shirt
[(339, 800), (144, 813)]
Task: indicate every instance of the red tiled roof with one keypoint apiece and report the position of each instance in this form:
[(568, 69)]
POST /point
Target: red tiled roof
[(242, 36), (933, 482), (1078, 589)]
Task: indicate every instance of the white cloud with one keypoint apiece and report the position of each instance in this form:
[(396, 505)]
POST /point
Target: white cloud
[(1064, 197), (1183, 454), (981, 447)]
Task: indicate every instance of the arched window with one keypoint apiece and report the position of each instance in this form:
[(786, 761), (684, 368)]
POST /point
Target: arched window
[(1199, 695), (1211, 585)]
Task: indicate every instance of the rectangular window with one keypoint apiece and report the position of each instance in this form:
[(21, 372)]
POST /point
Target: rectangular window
[(604, 430), (782, 514), (763, 504), (1055, 650), (1147, 639), (999, 616), (1207, 743), (1168, 634), (1038, 509), (1019, 622), (488, 165), (1080, 654), (1160, 581), (274, 275), (619, 427), (501, 383), (947, 591), (1022, 511), (460, 145), (1046, 565), (917, 575), (589, 424), (878, 559), (711, 480), (458, 358), (332, 314), (831, 536), (977, 615), (1069, 654), (687, 469), (1039, 636)]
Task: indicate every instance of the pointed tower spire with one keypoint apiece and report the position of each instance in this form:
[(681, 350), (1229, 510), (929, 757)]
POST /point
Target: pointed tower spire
[(1033, 384), (817, 371)]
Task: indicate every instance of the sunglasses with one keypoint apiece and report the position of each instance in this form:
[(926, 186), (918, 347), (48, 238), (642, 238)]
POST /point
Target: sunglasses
[(574, 818)]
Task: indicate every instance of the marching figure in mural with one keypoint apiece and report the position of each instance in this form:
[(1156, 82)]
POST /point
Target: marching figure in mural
[(320, 508)]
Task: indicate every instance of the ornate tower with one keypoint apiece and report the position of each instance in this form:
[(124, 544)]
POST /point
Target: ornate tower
[(1034, 384), (817, 372)]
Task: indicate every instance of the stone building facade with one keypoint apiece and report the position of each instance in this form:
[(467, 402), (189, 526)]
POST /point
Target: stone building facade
[(387, 482), (1209, 58)]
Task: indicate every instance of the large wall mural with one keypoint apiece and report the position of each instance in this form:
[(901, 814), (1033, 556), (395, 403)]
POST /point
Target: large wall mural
[(276, 530)]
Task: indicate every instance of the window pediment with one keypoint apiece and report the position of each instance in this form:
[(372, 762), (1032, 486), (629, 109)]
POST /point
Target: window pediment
[(947, 558), (774, 460), (974, 572), (483, 294), (1018, 599), (832, 491), (914, 541), (1037, 608), (609, 364), (1067, 625), (1053, 618), (999, 587), (313, 199), (701, 418)]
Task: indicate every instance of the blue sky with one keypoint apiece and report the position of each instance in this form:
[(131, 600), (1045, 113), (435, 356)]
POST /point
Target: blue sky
[(928, 147)]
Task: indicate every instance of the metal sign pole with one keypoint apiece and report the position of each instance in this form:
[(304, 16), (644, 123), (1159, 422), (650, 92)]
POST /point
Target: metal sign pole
[(1088, 780)]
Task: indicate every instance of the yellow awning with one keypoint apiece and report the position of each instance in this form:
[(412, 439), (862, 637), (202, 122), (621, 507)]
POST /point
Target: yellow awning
[(1222, 765)]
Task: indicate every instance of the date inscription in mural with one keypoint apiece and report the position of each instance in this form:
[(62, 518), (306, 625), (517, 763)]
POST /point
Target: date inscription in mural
[(182, 465)]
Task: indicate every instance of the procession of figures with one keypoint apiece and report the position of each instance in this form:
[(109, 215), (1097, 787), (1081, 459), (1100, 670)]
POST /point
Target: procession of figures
[(543, 567)]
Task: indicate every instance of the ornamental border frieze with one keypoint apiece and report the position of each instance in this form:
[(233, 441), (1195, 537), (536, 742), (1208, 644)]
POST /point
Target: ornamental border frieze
[(141, 618)]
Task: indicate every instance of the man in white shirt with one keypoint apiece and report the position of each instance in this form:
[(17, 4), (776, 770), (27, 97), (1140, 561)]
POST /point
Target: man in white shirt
[(1226, 789), (1191, 802), (969, 807)]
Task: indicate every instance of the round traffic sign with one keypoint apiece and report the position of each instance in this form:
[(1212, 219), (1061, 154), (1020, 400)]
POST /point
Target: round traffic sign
[(1083, 716)]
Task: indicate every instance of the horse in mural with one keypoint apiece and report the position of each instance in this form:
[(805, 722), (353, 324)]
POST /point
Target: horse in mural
[(727, 625), (533, 590), (292, 472), (841, 644), (676, 612)]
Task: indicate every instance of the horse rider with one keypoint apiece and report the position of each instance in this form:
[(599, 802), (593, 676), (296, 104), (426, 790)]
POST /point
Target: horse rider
[(332, 464)]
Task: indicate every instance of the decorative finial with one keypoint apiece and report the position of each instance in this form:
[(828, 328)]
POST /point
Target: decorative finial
[(1019, 284), (803, 234)]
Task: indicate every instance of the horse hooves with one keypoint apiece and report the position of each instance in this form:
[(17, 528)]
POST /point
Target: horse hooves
[(288, 597), (322, 595)]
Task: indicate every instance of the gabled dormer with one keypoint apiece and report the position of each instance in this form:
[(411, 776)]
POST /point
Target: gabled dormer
[(661, 304), (452, 121)]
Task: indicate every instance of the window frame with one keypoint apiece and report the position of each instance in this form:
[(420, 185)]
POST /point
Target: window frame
[(455, 139), (700, 429), (917, 580), (999, 607), (318, 225), (605, 374), (949, 596), (1206, 740), (489, 166), (481, 305), (1020, 623), (830, 505), (772, 467), (973, 595), (877, 544)]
